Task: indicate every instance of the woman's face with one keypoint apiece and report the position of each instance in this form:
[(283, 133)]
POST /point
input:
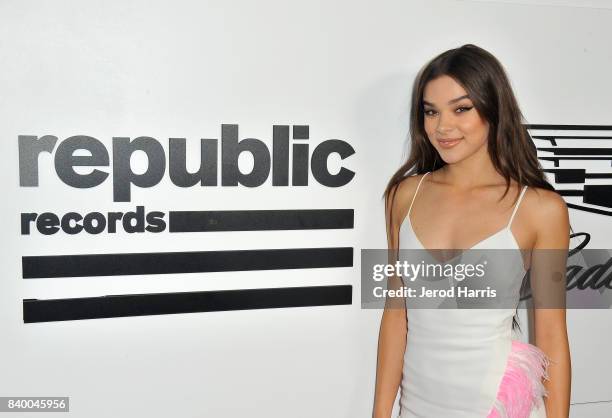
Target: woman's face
[(452, 123)]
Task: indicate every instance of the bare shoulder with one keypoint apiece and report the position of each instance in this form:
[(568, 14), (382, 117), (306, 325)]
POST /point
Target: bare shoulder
[(548, 215), (404, 193), (407, 187), (543, 204), (397, 204)]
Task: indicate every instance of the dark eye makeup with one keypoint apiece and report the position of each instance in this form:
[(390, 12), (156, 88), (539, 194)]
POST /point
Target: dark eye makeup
[(462, 108)]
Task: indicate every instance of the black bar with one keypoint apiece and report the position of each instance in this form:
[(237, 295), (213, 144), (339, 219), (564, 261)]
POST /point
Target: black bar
[(46, 310), (551, 137), (566, 192), (567, 175), (593, 194), (575, 175), (556, 160), (260, 220), (578, 151), (85, 265), (547, 158), (571, 127), (598, 194), (588, 209)]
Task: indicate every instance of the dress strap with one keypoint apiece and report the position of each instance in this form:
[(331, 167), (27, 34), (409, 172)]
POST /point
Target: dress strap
[(415, 192), (516, 206)]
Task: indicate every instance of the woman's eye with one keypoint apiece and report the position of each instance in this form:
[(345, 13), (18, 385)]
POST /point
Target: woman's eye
[(465, 108), (462, 109)]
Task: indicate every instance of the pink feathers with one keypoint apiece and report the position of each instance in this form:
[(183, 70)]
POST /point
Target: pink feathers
[(521, 388)]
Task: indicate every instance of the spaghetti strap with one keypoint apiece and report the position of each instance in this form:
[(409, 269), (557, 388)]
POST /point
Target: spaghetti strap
[(415, 192), (516, 206)]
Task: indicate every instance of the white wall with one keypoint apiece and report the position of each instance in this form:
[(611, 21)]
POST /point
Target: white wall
[(181, 69)]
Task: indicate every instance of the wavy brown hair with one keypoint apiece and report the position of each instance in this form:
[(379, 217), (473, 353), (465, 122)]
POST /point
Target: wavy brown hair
[(510, 146)]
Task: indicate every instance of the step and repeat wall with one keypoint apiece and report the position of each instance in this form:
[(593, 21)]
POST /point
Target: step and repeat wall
[(188, 185)]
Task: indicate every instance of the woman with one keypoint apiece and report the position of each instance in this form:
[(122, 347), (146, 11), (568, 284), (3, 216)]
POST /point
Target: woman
[(472, 180)]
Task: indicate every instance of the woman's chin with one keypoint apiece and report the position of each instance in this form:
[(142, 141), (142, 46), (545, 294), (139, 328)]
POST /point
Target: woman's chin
[(451, 158)]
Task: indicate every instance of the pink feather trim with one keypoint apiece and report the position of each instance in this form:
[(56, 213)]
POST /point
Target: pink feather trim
[(521, 389)]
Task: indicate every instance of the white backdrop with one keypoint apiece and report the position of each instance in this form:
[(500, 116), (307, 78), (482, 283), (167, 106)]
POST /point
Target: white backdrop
[(181, 69)]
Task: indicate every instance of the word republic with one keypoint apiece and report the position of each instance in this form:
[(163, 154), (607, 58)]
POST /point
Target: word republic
[(123, 177)]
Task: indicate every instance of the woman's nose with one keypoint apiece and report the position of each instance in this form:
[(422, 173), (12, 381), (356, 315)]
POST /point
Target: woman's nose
[(443, 129), (443, 125)]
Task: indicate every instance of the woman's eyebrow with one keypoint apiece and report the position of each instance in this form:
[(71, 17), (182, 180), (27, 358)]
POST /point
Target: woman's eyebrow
[(450, 101)]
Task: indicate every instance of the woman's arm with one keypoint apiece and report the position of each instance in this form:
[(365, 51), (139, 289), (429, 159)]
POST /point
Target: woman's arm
[(392, 335), (549, 289), (391, 346)]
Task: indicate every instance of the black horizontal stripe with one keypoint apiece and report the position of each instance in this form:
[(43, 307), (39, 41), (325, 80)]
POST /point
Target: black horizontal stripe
[(568, 192), (84, 265), (549, 137), (574, 158), (556, 160), (45, 310), (575, 175), (260, 220), (578, 151), (570, 127), (589, 209)]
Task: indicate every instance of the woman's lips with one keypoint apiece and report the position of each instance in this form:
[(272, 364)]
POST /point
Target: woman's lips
[(448, 142)]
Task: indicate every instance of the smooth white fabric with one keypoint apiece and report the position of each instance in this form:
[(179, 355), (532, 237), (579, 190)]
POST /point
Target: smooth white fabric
[(455, 358)]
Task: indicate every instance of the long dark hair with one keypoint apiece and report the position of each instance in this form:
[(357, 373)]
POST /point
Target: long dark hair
[(510, 146)]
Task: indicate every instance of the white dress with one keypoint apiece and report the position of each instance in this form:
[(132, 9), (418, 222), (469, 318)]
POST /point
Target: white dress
[(456, 359)]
